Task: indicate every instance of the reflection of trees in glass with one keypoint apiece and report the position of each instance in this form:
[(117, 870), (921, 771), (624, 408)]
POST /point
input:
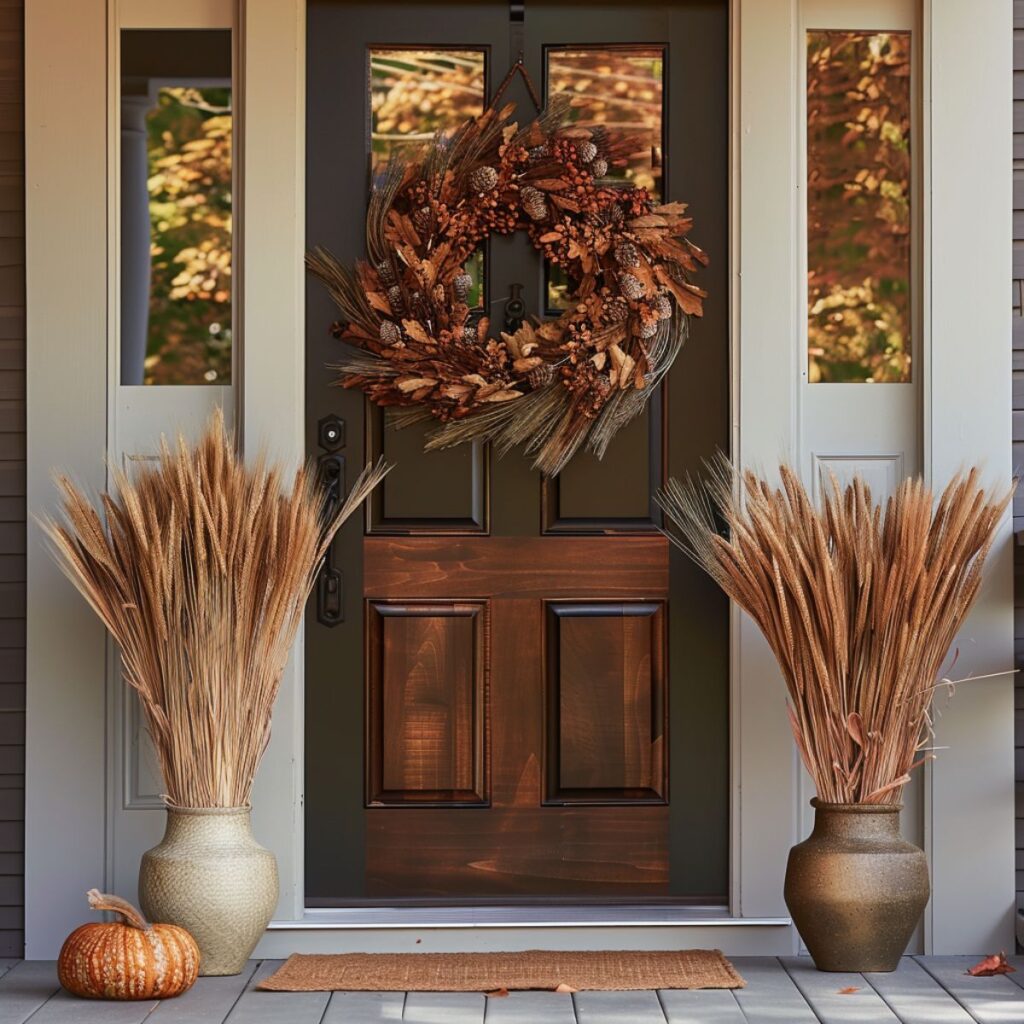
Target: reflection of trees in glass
[(189, 144), (621, 91), (417, 93), (858, 206)]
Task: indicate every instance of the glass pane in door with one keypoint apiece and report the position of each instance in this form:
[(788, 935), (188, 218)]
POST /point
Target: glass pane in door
[(416, 94), (859, 226), (176, 206), (618, 90)]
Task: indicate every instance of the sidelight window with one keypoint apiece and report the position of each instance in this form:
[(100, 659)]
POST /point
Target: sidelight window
[(859, 225)]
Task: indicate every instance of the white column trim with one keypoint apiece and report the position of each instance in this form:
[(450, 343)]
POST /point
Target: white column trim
[(970, 825), (66, 295)]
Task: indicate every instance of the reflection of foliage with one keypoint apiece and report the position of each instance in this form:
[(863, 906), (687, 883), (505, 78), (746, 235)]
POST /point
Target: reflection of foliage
[(413, 95), (189, 144), (858, 206), (618, 90)]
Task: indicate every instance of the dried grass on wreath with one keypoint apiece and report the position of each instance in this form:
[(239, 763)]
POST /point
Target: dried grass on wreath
[(200, 569), (860, 605)]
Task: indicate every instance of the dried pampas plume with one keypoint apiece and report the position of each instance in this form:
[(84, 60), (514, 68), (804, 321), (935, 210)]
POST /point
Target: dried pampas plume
[(859, 604), (200, 568)]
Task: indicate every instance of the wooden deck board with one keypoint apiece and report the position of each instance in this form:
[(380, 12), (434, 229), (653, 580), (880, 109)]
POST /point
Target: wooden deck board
[(916, 997), (618, 1008), (256, 1007), (25, 988), (444, 1008), (701, 1006), (364, 1007), (770, 996), (209, 999), (923, 990), (838, 998), (531, 1008), (994, 1000)]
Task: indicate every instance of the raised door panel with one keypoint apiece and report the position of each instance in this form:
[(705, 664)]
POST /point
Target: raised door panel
[(427, 703), (606, 726)]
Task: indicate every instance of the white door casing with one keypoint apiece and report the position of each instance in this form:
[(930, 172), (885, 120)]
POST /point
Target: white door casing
[(76, 834)]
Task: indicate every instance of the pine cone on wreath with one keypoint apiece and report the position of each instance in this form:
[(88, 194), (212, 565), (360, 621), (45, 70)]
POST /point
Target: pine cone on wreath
[(663, 306), (627, 255), (586, 151), (461, 286), (390, 333), (386, 273), (647, 329), (534, 203), (395, 300), (483, 179), (540, 376), (599, 168), (423, 220), (631, 286)]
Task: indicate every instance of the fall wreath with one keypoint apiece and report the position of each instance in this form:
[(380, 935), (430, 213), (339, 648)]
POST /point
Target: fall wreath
[(413, 341)]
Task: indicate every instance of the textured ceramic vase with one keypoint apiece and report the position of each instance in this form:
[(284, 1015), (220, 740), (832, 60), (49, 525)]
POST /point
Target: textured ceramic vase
[(856, 888), (210, 876)]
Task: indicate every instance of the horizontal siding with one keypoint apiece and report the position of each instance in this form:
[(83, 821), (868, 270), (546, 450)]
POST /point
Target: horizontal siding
[(12, 479)]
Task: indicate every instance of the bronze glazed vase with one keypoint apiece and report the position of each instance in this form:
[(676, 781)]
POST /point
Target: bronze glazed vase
[(856, 888)]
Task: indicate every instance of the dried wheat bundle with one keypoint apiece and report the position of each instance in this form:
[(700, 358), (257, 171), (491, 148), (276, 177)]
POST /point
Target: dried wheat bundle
[(200, 569), (860, 606)]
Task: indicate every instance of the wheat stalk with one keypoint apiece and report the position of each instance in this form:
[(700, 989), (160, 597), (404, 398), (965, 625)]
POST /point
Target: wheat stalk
[(859, 604), (200, 569)]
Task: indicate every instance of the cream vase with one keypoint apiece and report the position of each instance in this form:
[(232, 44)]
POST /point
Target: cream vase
[(211, 877)]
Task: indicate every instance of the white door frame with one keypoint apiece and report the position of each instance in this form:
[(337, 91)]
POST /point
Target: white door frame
[(967, 61)]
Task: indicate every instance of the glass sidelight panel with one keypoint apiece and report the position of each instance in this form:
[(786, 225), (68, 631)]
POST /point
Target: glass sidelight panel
[(859, 225), (618, 90), (176, 206), (416, 93)]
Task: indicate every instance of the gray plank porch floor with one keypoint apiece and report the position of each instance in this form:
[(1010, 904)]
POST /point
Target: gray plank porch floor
[(924, 990)]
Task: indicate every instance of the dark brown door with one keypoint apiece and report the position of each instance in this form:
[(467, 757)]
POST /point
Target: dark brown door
[(518, 692)]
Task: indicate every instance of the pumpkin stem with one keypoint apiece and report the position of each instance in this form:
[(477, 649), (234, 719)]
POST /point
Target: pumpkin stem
[(106, 901)]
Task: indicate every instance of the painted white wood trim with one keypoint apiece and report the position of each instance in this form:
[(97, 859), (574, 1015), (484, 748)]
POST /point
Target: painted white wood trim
[(180, 14), (66, 294), (765, 279), (273, 88), (734, 938), (968, 420)]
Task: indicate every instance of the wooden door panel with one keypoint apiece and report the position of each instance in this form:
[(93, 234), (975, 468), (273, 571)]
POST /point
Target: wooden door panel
[(606, 702), (426, 703), (542, 567), (452, 499), (614, 494), (599, 852)]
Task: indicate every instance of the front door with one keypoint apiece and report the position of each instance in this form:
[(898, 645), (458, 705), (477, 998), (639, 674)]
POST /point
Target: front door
[(514, 690)]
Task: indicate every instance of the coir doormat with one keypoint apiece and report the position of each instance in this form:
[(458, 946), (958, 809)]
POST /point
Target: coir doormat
[(488, 972)]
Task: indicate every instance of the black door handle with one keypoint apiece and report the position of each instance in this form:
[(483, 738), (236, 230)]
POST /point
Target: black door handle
[(330, 583)]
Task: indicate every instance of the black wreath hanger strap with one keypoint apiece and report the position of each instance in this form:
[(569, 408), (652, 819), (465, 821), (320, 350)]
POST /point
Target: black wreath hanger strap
[(519, 67), (413, 342)]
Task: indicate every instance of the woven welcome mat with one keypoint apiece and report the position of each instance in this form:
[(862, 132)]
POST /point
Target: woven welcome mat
[(493, 972)]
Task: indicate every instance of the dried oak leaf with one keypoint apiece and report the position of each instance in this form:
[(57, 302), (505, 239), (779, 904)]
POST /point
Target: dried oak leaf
[(568, 989), (498, 993), (994, 964), (848, 990)]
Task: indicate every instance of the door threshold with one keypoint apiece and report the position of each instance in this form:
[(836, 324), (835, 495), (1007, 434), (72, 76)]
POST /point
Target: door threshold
[(513, 916)]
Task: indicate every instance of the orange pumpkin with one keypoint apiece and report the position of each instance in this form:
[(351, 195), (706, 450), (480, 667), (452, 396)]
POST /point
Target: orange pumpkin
[(127, 959)]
